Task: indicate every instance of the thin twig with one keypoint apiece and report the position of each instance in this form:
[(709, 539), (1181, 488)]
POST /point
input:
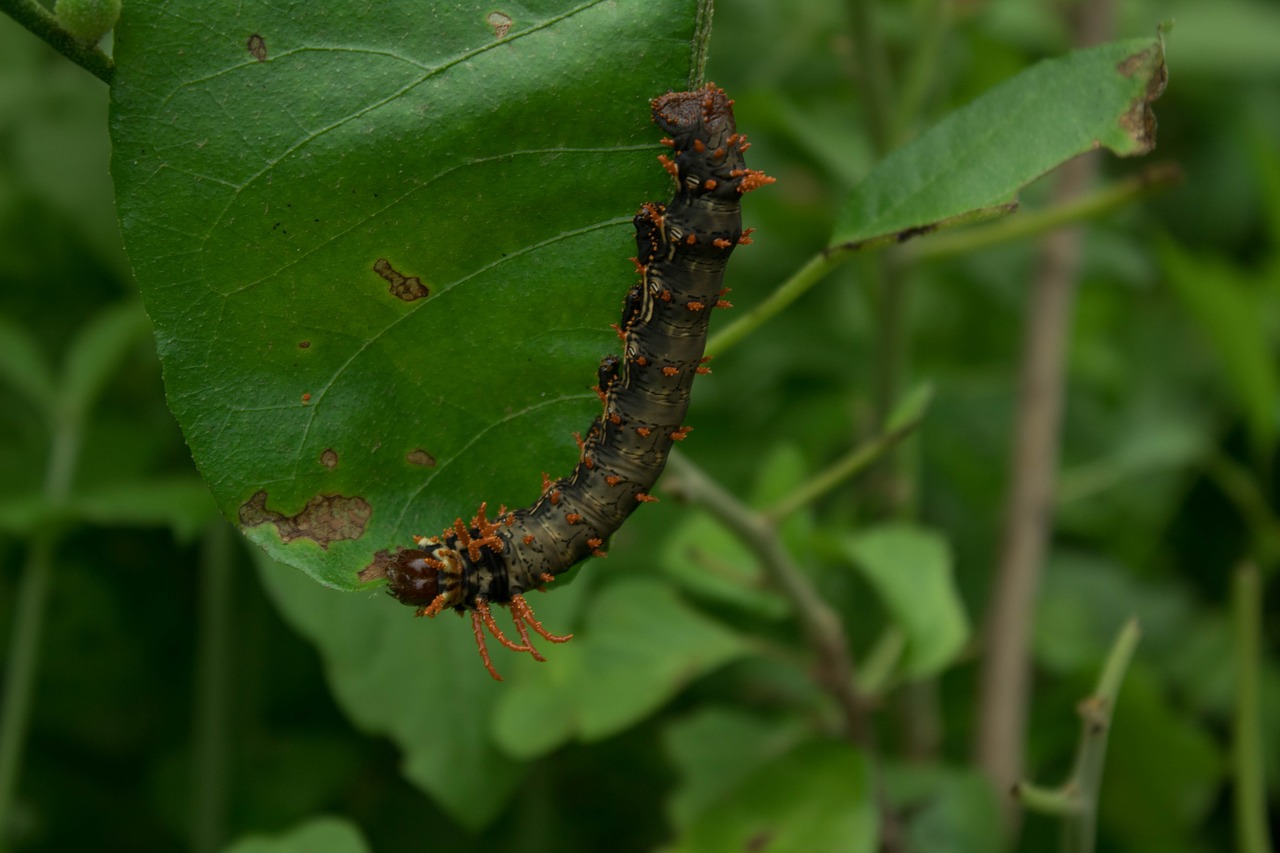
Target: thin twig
[(1076, 800), (41, 22), (792, 289), (873, 73), (211, 732), (850, 465), (822, 627), (1005, 678), (1250, 787), (835, 672), (1004, 690)]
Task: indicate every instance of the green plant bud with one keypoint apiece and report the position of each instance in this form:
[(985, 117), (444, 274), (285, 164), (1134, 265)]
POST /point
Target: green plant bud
[(87, 20)]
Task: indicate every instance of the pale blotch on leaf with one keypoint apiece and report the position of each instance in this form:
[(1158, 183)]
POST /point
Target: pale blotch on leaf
[(324, 519), (500, 23)]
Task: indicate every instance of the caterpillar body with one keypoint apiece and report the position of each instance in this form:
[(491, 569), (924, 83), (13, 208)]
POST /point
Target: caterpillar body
[(681, 251)]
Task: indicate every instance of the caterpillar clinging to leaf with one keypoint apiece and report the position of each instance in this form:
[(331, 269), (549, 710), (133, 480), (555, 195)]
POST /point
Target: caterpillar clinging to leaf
[(681, 251)]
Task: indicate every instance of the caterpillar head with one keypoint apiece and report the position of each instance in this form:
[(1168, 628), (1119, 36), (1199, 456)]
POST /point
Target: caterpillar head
[(428, 579)]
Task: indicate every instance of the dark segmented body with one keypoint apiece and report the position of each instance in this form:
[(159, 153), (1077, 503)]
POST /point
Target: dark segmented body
[(682, 250)]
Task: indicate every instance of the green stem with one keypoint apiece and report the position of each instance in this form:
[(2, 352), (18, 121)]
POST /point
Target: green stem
[(850, 465), (821, 624), (1243, 491), (212, 695), (874, 72), (922, 67), (41, 22), (28, 621), (1076, 801), (20, 669), (792, 289), (1088, 206), (1250, 801)]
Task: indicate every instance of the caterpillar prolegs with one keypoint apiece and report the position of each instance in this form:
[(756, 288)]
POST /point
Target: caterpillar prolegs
[(681, 251)]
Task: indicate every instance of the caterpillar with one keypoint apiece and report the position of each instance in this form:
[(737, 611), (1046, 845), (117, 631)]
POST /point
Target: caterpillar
[(681, 251)]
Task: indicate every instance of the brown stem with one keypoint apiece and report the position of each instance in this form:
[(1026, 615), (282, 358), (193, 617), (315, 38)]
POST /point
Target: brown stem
[(1006, 667)]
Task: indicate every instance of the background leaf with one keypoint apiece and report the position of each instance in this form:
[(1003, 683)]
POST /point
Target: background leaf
[(978, 157), (910, 569), (292, 180), (329, 834), (814, 798)]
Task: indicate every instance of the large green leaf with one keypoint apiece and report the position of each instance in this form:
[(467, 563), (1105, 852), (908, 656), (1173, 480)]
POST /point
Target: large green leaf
[(293, 178), (972, 163)]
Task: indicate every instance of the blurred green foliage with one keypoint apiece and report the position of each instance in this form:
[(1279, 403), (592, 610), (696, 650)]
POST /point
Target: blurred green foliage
[(690, 719)]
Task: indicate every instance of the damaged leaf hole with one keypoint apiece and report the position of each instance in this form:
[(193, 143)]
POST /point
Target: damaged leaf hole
[(324, 519), (405, 288)]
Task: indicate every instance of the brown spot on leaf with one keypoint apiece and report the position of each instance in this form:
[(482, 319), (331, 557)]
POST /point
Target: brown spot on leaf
[(304, 344), (500, 22), (306, 397), (919, 231), (325, 518), (257, 47), (403, 287), (421, 457), (329, 458)]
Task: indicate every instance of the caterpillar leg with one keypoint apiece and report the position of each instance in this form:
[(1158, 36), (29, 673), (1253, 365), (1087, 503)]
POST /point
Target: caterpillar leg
[(523, 615), (483, 616)]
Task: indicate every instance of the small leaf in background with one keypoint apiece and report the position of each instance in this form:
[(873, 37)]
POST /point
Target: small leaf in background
[(910, 569), (406, 678), (945, 809), (640, 647), (815, 797), (714, 750), (382, 245), (973, 163), (1227, 307), (1163, 770), (327, 834)]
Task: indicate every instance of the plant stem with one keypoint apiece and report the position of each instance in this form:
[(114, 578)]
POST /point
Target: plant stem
[(873, 70), (1091, 205), (28, 620), (821, 625), (921, 68), (1076, 800), (1004, 691), (20, 669), (1243, 491), (835, 673), (212, 694), (850, 465), (41, 22), (792, 289), (1250, 800)]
